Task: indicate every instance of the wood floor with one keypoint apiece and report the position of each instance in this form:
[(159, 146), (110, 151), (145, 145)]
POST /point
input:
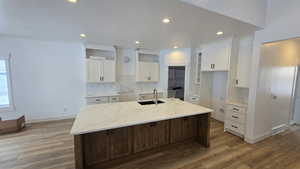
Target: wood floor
[(49, 146)]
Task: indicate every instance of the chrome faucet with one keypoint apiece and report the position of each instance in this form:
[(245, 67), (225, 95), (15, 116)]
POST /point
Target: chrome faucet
[(155, 95)]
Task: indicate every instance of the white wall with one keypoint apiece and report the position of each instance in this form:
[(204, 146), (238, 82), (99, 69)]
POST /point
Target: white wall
[(249, 11), (48, 77), (282, 23)]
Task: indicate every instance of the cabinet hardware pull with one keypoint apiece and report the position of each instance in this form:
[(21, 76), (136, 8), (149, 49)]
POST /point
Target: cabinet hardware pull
[(234, 126), (107, 133), (97, 100), (153, 124), (185, 118), (235, 117), (237, 82), (235, 109)]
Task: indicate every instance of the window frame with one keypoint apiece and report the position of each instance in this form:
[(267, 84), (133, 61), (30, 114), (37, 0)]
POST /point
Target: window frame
[(11, 106)]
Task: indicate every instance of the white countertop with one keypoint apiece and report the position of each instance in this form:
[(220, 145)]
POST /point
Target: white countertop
[(101, 117)]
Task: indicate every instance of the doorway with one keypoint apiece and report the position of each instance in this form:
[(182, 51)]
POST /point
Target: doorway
[(275, 90), (176, 82)]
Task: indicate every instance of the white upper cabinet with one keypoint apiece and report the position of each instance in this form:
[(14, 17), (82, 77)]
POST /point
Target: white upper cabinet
[(94, 70), (216, 56), (109, 71), (244, 61), (147, 67), (101, 65)]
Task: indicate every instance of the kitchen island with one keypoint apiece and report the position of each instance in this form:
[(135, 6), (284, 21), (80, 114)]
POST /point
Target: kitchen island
[(109, 134)]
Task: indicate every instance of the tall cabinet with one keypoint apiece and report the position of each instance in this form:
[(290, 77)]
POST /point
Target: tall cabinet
[(222, 74)]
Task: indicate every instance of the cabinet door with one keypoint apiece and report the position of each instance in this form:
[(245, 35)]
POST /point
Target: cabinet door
[(154, 72), (141, 137), (206, 64), (221, 59), (143, 72), (151, 135), (183, 129), (109, 71), (216, 56), (159, 134), (120, 142), (244, 60), (96, 147), (94, 70)]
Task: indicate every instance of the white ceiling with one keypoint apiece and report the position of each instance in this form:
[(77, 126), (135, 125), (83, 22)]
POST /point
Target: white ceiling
[(116, 22)]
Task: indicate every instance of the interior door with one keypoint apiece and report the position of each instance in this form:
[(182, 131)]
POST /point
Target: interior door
[(296, 117), (278, 71)]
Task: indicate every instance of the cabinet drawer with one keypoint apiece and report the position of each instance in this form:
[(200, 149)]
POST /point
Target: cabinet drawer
[(235, 126), (235, 116), (113, 99), (97, 100), (236, 109)]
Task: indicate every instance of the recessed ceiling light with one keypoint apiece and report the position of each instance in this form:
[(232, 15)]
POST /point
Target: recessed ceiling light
[(175, 47), (83, 35), (73, 1), (137, 42), (220, 33), (166, 20)]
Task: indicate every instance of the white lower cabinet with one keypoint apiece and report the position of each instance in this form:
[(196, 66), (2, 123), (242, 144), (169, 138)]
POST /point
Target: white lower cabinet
[(97, 100), (113, 99), (102, 99), (235, 119)]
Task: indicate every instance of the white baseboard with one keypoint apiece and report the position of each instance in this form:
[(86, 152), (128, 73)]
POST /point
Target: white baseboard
[(50, 119), (279, 129), (257, 139), (293, 122)]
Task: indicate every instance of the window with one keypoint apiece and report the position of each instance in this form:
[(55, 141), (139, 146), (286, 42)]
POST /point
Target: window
[(5, 92)]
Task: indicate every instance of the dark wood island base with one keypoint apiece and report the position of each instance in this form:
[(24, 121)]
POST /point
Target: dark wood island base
[(105, 149)]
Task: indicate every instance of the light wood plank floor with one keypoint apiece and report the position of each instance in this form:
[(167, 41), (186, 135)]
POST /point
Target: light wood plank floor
[(49, 146)]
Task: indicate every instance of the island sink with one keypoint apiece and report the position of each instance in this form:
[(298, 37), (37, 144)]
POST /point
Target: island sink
[(150, 102)]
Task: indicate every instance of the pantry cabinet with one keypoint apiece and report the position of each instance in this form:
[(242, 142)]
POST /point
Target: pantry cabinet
[(216, 56)]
